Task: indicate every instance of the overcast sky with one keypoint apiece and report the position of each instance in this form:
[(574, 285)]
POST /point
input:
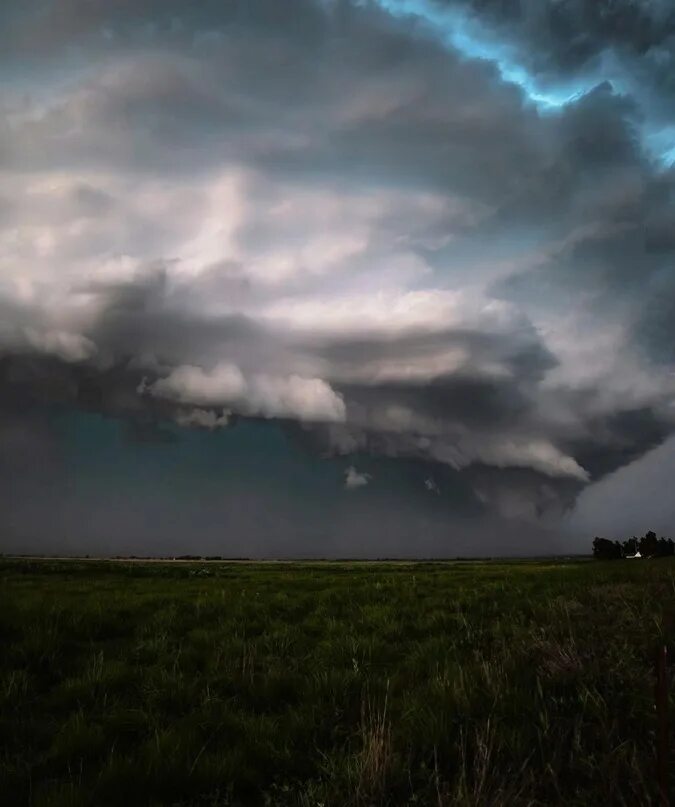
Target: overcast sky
[(328, 277)]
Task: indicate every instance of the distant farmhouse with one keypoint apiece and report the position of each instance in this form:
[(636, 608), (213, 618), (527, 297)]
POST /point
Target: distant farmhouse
[(649, 546)]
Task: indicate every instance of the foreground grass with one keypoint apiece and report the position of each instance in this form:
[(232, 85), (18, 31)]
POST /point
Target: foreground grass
[(330, 684)]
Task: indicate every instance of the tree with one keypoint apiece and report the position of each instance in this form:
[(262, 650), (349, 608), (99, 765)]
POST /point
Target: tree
[(648, 544), (604, 549), (665, 548)]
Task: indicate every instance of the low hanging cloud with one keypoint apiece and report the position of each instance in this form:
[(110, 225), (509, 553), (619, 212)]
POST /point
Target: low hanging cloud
[(305, 399), (355, 479), (202, 419), (431, 486), (424, 230), (69, 347)]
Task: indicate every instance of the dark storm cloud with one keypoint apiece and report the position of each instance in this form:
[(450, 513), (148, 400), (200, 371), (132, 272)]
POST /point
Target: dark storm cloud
[(342, 90), (620, 438), (571, 45), (432, 232), (567, 35), (621, 259)]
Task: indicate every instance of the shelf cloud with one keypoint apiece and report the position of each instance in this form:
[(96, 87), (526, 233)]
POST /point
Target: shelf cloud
[(432, 234)]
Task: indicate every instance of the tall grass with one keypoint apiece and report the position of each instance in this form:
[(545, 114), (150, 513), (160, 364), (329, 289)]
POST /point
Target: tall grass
[(330, 684)]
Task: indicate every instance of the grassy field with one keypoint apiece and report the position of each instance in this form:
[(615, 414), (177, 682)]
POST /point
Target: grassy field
[(330, 684)]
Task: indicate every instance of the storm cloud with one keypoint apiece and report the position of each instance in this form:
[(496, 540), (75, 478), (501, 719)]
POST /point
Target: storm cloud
[(431, 235)]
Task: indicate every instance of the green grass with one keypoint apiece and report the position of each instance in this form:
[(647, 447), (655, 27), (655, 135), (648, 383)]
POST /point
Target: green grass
[(330, 684)]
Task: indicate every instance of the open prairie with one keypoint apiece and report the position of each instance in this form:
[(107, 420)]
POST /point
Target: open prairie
[(216, 683)]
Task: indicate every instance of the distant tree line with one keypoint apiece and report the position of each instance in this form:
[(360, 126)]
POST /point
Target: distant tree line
[(175, 557), (649, 546)]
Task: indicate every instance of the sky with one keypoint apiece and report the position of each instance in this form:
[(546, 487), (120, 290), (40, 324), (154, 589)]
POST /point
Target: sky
[(336, 278)]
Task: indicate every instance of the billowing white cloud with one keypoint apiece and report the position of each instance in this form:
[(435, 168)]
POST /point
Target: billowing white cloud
[(355, 479), (305, 399), (190, 384), (390, 310)]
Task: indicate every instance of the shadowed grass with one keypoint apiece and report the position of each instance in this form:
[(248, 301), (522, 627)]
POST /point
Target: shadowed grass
[(336, 684)]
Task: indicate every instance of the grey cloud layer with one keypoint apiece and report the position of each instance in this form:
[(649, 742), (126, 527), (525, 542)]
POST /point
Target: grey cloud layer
[(324, 212)]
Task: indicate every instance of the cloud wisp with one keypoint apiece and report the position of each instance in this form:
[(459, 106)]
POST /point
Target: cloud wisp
[(355, 479)]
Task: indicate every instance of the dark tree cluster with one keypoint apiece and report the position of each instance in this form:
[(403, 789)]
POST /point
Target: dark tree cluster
[(649, 546)]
